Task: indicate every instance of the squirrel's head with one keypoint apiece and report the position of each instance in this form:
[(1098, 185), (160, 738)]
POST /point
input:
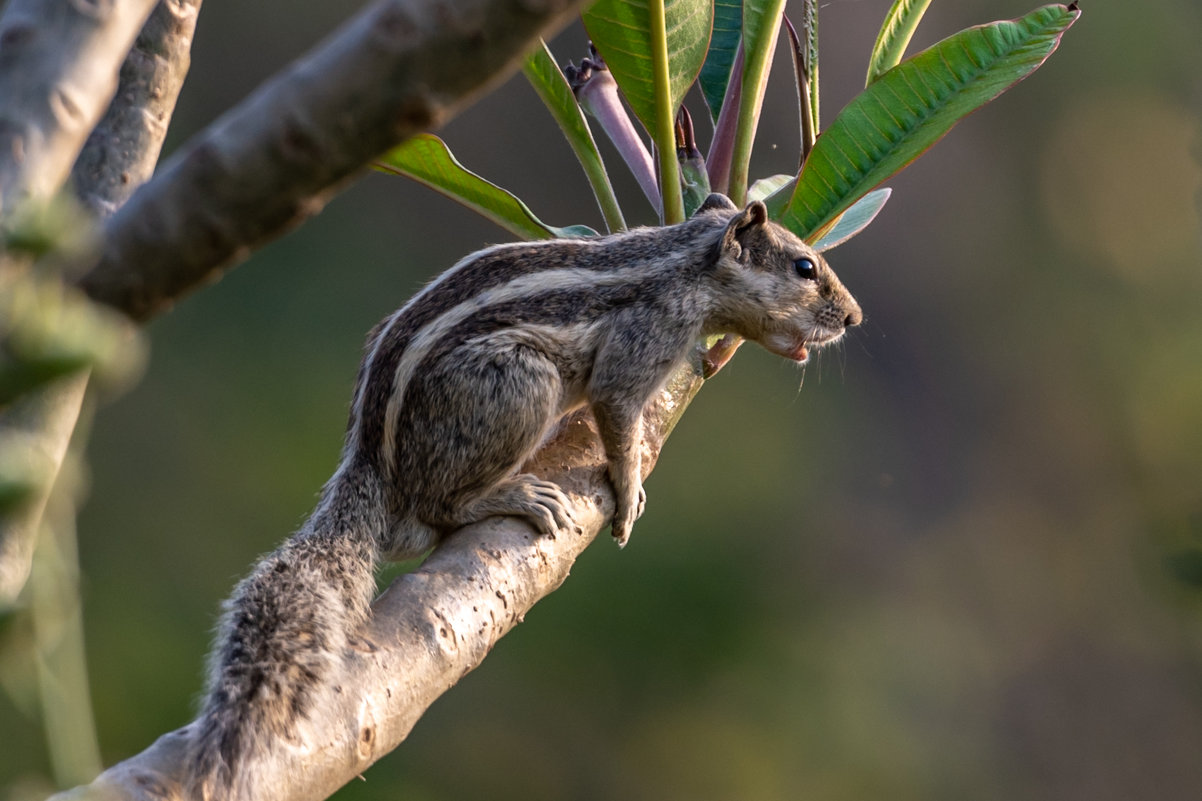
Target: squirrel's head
[(776, 290)]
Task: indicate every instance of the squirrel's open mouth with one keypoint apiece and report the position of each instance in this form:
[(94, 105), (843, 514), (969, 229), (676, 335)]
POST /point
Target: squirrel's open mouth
[(800, 352), (798, 349), (795, 350)]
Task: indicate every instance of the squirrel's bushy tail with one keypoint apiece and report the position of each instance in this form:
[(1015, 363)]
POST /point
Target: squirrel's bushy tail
[(282, 637)]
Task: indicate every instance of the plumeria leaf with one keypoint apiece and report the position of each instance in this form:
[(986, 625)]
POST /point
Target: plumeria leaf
[(803, 63), (621, 32), (911, 107), (854, 220), (715, 73), (764, 187), (425, 158), (895, 34), (49, 330), (654, 48)]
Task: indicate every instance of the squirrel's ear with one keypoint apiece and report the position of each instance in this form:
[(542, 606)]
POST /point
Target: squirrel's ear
[(716, 200), (756, 213), (748, 220)]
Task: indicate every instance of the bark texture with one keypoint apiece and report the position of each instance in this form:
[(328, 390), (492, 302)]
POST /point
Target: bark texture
[(123, 149), (58, 72), (400, 67), (428, 629)]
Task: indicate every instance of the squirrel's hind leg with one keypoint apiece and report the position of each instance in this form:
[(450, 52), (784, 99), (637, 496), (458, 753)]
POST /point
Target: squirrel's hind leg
[(408, 538), (541, 503), (489, 409)]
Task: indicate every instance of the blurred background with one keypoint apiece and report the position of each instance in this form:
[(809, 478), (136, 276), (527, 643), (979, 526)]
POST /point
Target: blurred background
[(964, 560)]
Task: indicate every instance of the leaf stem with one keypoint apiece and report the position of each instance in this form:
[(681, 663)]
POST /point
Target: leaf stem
[(664, 135), (757, 61), (801, 74), (552, 87), (722, 145), (603, 190), (810, 27)]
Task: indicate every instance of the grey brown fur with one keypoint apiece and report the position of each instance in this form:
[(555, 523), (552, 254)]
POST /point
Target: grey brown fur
[(456, 390)]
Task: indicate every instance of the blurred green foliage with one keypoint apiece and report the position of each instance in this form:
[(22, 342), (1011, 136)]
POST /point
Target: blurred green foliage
[(959, 562)]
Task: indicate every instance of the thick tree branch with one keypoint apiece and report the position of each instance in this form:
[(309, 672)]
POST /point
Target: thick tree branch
[(429, 629), (118, 156), (400, 67), (58, 72), (122, 150)]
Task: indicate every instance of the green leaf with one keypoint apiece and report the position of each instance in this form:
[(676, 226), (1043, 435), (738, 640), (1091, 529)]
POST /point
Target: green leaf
[(911, 107), (621, 32), (547, 79), (426, 159), (809, 31), (778, 200), (761, 25), (695, 184), (802, 61), (724, 44), (854, 220), (895, 35), (776, 191), (766, 186)]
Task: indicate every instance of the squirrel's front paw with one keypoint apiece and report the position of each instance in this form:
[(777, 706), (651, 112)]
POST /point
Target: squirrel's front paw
[(626, 514)]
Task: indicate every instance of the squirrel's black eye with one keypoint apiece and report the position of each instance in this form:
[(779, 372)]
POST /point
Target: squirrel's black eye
[(805, 269)]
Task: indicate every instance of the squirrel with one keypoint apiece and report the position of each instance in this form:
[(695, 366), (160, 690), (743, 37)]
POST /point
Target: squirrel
[(456, 390)]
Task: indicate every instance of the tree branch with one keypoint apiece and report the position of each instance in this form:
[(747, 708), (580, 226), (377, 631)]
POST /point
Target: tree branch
[(428, 629), (277, 157), (123, 149), (58, 72)]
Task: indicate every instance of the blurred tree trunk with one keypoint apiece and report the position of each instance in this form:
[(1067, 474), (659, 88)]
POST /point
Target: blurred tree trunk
[(58, 73)]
